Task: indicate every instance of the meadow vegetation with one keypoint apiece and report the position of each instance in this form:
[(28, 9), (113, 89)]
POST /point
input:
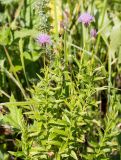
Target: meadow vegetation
[(60, 79)]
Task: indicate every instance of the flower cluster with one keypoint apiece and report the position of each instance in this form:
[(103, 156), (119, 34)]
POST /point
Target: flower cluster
[(85, 18)]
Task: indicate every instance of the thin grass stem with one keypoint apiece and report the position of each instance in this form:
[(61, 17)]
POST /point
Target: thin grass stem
[(101, 24)]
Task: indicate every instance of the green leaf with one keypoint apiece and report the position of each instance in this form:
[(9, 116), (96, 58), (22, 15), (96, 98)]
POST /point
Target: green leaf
[(53, 142), (73, 154), (5, 36), (58, 122), (63, 147), (17, 68), (115, 39), (37, 150), (33, 56), (17, 154), (98, 78), (59, 131), (15, 117), (119, 56), (25, 33)]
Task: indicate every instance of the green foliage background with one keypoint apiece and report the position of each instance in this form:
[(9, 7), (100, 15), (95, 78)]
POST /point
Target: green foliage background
[(61, 101)]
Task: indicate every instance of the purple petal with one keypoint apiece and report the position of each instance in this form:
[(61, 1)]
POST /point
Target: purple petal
[(44, 39), (85, 18)]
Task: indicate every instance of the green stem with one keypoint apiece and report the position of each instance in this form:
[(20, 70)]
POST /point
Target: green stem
[(4, 93), (83, 28), (109, 77), (17, 13), (21, 43), (11, 64), (65, 49), (120, 151), (100, 26), (15, 81), (56, 19)]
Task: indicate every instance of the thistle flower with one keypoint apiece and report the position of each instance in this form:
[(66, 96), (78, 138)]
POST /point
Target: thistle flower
[(85, 18), (93, 33), (44, 39)]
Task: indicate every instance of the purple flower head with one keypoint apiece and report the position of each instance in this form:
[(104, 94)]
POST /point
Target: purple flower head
[(85, 18), (44, 39), (93, 33)]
